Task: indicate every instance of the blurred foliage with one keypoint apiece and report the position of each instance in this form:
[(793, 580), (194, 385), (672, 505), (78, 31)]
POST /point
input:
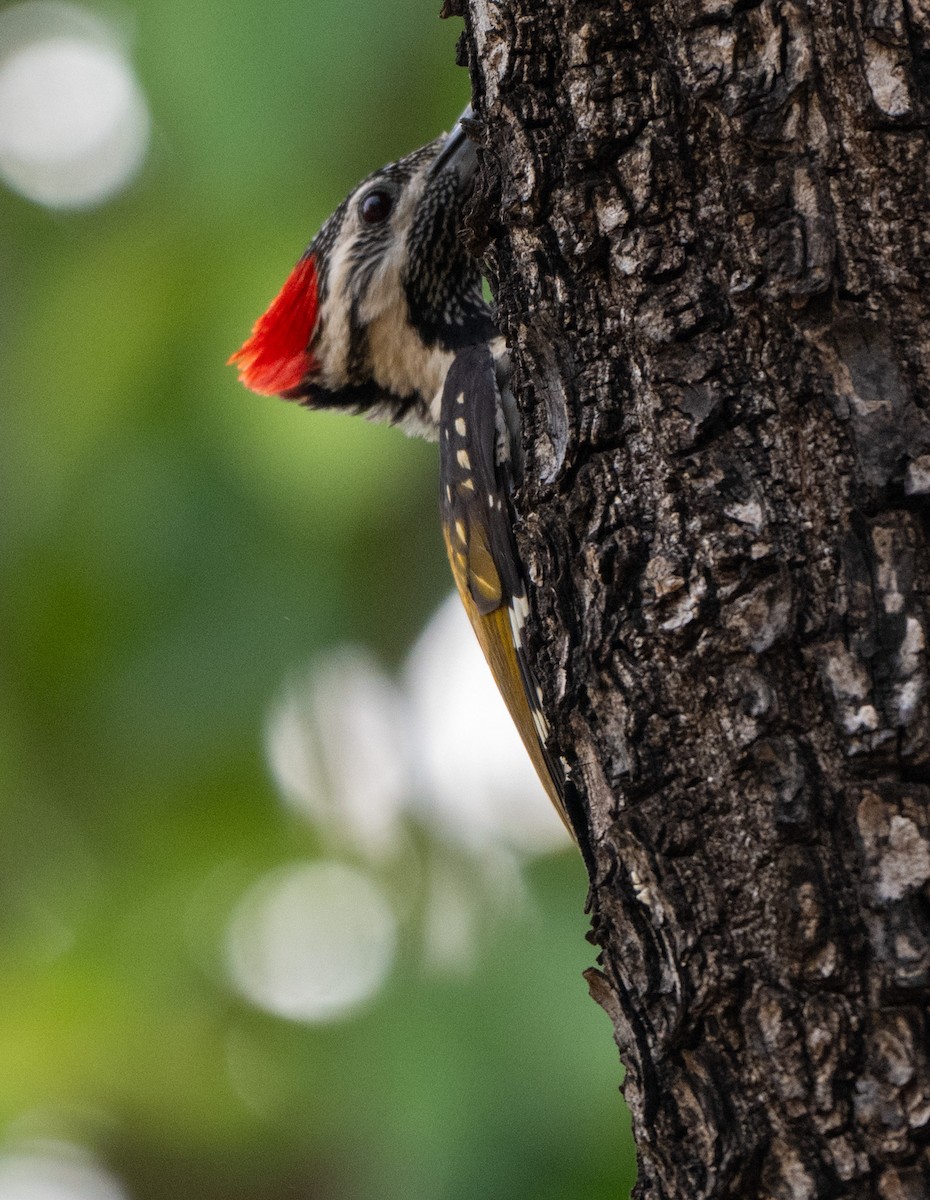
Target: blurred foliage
[(172, 547)]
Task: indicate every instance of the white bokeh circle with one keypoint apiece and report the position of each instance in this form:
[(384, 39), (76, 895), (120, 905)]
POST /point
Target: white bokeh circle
[(312, 941), (74, 123), (336, 745), (55, 1171), (477, 781)]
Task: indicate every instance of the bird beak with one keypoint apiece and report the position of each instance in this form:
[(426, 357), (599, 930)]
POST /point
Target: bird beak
[(457, 150)]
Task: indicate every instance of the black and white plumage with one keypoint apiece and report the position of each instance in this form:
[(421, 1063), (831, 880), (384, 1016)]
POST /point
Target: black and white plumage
[(384, 316), (370, 317)]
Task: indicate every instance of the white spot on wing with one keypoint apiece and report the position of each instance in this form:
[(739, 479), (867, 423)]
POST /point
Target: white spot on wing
[(520, 610)]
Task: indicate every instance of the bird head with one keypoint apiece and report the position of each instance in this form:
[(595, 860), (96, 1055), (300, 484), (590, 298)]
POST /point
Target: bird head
[(370, 317)]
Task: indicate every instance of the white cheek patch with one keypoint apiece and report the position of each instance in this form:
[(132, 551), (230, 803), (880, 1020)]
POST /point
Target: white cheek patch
[(400, 362), (331, 348), (385, 288)]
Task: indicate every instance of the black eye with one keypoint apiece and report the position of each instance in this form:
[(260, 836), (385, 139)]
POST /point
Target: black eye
[(376, 206)]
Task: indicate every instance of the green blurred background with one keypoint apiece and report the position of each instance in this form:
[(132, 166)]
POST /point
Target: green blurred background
[(172, 548)]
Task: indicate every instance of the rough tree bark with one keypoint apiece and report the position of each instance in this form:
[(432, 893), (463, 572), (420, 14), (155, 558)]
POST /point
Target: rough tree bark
[(707, 230)]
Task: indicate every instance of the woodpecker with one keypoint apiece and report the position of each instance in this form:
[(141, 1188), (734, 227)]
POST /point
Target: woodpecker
[(384, 316)]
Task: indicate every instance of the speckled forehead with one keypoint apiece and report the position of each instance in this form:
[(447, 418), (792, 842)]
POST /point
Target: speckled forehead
[(406, 168), (400, 173)]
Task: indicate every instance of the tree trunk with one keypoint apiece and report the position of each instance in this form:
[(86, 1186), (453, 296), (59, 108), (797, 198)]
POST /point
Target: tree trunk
[(708, 235)]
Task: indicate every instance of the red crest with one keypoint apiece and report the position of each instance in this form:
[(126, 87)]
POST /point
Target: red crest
[(276, 358)]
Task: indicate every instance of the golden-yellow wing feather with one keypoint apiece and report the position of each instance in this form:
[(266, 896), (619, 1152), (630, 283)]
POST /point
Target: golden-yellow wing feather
[(474, 571), (476, 483)]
